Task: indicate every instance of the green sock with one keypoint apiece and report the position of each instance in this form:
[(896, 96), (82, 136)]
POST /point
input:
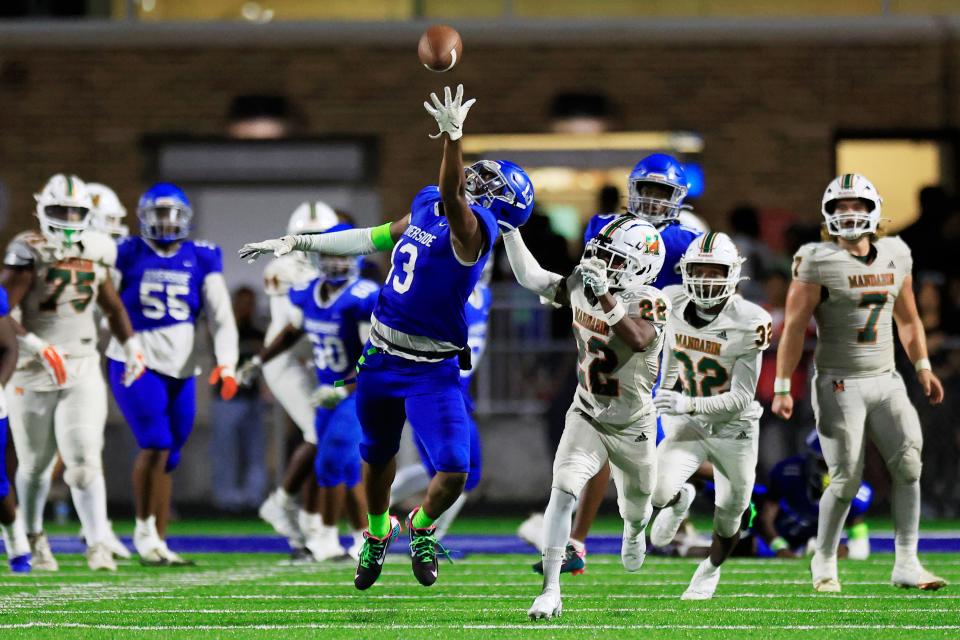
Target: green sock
[(421, 520), (379, 524), (859, 531)]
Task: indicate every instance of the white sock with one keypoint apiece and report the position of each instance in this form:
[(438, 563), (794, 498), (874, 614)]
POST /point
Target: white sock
[(285, 498), (32, 494), (407, 482), (833, 513), (310, 523), (146, 528), (906, 520), (15, 537), (557, 521), (91, 505), (447, 517)]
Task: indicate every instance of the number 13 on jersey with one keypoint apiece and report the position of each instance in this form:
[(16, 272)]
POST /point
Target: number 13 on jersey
[(401, 282)]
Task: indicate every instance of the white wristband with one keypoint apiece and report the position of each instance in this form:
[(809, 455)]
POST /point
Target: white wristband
[(132, 347), (32, 343), (781, 386), (921, 364), (616, 314)]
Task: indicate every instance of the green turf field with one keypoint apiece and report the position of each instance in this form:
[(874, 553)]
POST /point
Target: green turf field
[(483, 596)]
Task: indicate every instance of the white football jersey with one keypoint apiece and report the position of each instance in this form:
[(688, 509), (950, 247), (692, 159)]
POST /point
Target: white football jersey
[(59, 307), (293, 270), (705, 358), (615, 381), (855, 316)]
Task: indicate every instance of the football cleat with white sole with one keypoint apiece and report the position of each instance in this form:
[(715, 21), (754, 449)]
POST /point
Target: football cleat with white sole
[(668, 521), (100, 558), (116, 546), (823, 571), (173, 558), (704, 582), (914, 576), (858, 548), (281, 515), (633, 549), (547, 605), (324, 543), (43, 559), (531, 531), (148, 544)]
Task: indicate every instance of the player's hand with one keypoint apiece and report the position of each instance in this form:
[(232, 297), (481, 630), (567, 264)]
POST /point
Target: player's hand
[(783, 405), (932, 387), (450, 113), (327, 396), (136, 364), (225, 375), (278, 247), (48, 355), (594, 274), (672, 403), (249, 371)]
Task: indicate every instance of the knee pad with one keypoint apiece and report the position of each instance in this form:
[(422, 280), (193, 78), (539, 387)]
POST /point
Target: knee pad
[(378, 453), (172, 461), (637, 512), (908, 465), (726, 522), (80, 476), (569, 483), (473, 478), (663, 495)]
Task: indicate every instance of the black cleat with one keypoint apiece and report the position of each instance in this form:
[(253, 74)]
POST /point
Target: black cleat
[(372, 554), (573, 562), (424, 547)]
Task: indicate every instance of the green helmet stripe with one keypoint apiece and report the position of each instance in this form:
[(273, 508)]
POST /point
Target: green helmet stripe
[(69, 186), (613, 226), (708, 239), (847, 181)]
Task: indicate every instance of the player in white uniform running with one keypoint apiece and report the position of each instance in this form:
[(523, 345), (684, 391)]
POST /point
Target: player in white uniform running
[(715, 341), (855, 284), (618, 323), (291, 378), (57, 397)]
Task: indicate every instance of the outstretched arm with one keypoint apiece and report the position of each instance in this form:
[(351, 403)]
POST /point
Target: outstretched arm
[(914, 340), (529, 273), (351, 242)]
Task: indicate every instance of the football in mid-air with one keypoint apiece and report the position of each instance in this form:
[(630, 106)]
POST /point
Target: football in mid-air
[(440, 48)]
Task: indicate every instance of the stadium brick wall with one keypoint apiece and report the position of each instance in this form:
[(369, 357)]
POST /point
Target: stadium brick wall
[(767, 113)]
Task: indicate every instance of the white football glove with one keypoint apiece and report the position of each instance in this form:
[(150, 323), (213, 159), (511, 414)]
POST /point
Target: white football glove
[(594, 274), (278, 247), (672, 403), (327, 396), (48, 355), (450, 113), (249, 371), (135, 364)]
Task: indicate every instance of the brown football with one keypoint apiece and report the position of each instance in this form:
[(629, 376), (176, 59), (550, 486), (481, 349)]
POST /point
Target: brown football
[(440, 48)]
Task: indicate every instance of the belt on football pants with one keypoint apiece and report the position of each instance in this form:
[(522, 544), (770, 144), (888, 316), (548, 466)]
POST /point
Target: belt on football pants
[(463, 355)]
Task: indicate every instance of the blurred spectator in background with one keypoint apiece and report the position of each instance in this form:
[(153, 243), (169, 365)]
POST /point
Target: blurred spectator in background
[(778, 438), (925, 236), (609, 200), (745, 232), (238, 441)]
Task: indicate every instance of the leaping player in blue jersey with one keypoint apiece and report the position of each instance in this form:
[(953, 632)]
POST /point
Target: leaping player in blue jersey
[(419, 331), (657, 187), (165, 282)]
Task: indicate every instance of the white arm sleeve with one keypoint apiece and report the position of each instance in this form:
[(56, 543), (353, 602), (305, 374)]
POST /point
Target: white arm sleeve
[(352, 242), (743, 388), (223, 327), (527, 270)]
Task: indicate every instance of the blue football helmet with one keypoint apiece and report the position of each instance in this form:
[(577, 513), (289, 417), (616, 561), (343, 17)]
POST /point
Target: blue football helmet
[(503, 188), (165, 213), (657, 187), (337, 269)]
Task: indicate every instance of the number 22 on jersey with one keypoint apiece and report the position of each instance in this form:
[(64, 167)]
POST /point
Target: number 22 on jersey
[(597, 362)]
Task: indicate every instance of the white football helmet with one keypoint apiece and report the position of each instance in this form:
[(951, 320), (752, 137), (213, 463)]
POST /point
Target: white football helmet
[(714, 248), (311, 217), (108, 213), (63, 208), (632, 250), (850, 225)]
